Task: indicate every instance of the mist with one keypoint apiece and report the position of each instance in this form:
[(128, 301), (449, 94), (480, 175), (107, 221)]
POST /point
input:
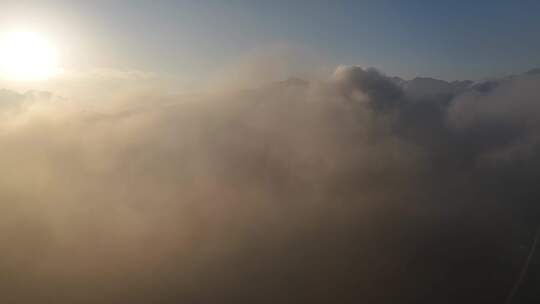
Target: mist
[(355, 188)]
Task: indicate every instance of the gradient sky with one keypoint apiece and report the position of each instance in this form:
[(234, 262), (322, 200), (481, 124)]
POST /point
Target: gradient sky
[(448, 40)]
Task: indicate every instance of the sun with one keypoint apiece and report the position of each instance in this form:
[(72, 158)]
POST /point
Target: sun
[(27, 56)]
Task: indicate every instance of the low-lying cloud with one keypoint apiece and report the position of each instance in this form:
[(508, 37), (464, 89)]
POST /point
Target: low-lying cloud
[(359, 188)]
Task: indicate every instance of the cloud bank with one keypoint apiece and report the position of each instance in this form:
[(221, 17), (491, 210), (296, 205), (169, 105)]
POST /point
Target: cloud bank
[(361, 188)]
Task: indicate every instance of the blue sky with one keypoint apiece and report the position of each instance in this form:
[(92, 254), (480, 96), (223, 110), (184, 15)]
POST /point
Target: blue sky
[(443, 39)]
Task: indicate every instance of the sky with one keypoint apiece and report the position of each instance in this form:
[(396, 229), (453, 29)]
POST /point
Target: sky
[(191, 40)]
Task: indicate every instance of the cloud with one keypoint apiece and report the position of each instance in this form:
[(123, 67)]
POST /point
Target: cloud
[(510, 108), (358, 188), (382, 91)]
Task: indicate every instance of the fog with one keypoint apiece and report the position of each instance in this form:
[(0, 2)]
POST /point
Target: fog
[(355, 188)]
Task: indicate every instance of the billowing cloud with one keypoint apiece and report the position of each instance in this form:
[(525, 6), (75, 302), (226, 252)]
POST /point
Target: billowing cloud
[(360, 188)]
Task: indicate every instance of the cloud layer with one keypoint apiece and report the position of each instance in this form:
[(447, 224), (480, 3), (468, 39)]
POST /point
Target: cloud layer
[(359, 188)]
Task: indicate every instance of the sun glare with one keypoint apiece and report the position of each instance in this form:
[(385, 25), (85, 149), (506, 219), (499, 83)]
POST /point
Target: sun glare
[(27, 56)]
